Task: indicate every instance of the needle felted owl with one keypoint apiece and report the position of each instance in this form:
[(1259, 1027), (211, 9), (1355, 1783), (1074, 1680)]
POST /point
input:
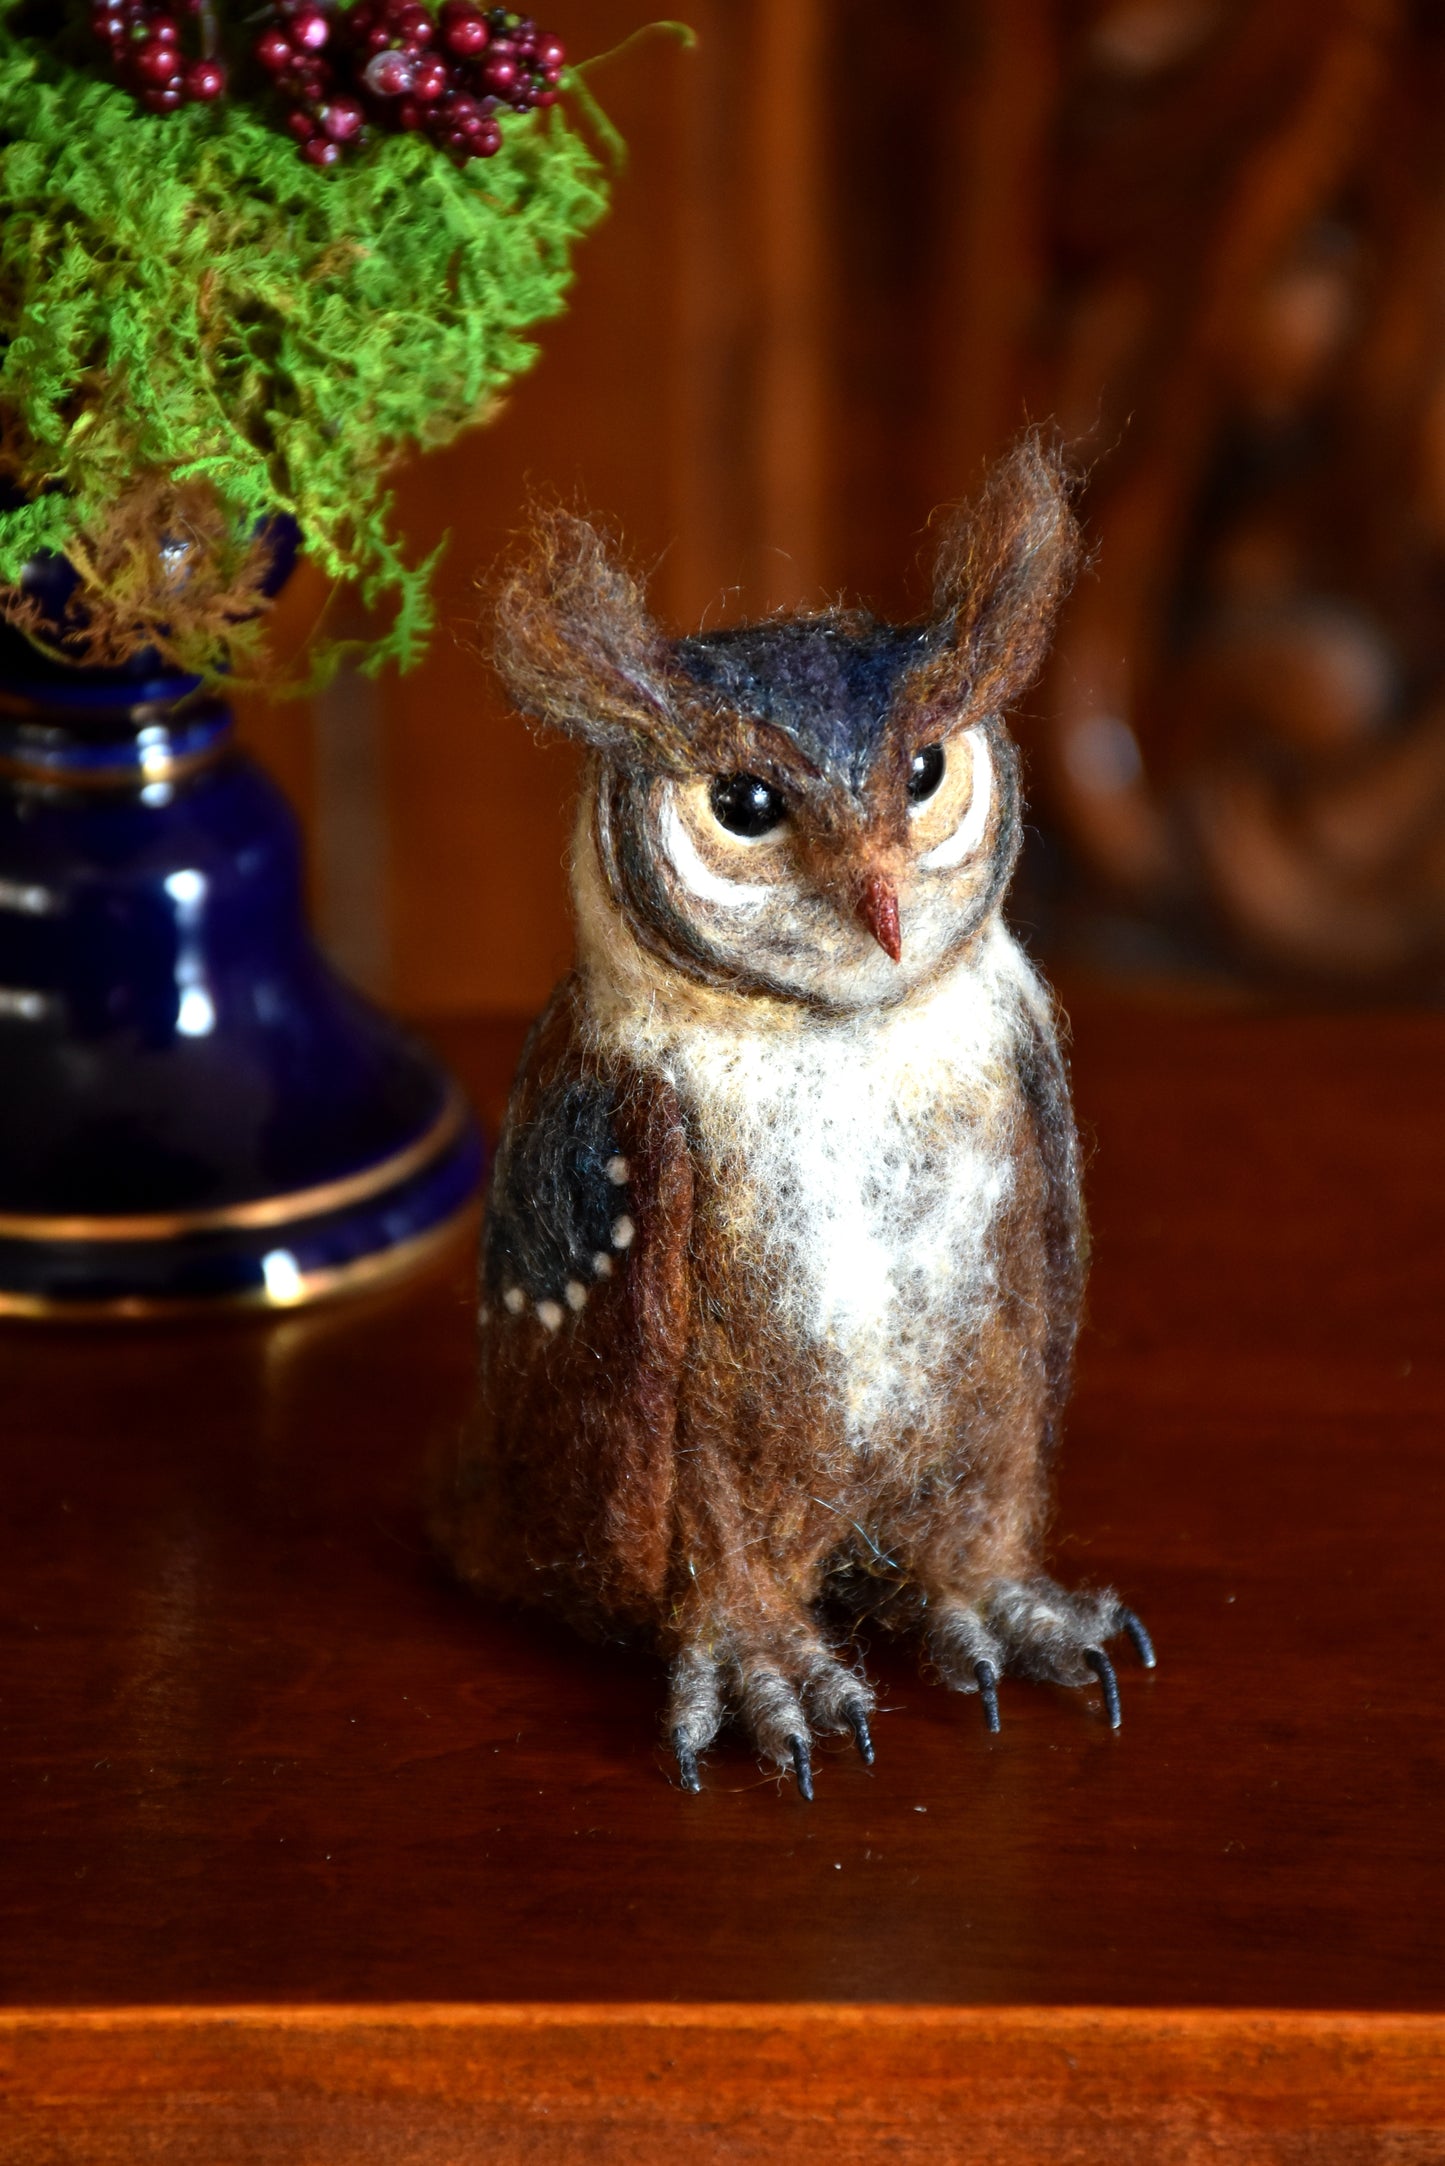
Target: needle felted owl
[(783, 1251)]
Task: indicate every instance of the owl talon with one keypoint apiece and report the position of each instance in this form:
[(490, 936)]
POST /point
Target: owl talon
[(862, 1735), (1143, 1645), (802, 1766), (1103, 1669), (987, 1677), (686, 1762)]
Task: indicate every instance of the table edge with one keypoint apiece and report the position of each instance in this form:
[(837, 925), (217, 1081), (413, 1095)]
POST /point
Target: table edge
[(648, 2083)]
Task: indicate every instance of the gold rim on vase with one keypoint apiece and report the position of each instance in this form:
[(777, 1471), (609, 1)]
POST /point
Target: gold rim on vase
[(363, 1274), (299, 1203)]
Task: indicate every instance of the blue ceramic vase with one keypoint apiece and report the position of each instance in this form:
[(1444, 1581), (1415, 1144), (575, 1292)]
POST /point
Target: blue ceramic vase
[(194, 1111)]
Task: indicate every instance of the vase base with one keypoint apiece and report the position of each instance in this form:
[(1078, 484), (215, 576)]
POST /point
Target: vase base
[(277, 1252), (364, 1275)]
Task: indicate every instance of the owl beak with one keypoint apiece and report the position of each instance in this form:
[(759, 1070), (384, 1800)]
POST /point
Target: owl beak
[(878, 910)]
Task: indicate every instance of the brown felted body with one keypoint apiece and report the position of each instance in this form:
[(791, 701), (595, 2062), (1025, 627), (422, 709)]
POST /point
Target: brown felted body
[(567, 1486), (784, 1248)]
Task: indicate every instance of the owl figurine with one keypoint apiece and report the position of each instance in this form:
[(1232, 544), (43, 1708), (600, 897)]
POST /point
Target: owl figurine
[(783, 1251)]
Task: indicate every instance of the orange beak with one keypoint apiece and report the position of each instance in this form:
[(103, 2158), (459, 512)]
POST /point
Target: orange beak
[(878, 910)]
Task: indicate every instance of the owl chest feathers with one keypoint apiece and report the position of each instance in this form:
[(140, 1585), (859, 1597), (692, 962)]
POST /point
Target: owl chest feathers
[(851, 1176)]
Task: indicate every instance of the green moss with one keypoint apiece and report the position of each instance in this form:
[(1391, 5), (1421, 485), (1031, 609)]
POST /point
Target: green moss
[(181, 297)]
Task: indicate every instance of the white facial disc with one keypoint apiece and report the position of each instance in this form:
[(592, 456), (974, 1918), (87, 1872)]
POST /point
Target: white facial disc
[(970, 830), (699, 877)]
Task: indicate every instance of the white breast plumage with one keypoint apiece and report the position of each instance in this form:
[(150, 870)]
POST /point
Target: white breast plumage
[(866, 1161)]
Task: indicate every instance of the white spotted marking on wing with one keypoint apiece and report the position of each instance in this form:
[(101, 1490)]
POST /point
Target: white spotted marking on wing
[(602, 1264), (971, 829), (576, 1294), (689, 866), (617, 1171), (622, 1232), (514, 1300), (549, 1313)]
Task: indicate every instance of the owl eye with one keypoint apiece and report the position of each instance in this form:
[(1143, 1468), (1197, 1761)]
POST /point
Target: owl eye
[(746, 805), (925, 772)]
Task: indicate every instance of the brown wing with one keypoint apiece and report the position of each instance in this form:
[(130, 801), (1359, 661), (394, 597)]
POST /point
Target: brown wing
[(566, 1481), (1045, 1085)]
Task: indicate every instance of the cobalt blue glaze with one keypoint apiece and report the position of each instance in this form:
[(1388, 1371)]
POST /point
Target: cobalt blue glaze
[(271, 1264), (171, 1042)]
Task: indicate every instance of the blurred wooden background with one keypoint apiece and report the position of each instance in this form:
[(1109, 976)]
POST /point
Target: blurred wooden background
[(851, 253)]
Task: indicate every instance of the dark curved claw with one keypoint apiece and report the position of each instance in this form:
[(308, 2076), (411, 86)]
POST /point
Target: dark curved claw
[(1103, 1669), (802, 1766), (987, 1677), (862, 1735), (686, 1762), (1143, 1645)]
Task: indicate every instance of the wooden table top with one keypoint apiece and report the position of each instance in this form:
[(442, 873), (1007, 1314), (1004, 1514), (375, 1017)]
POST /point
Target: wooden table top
[(258, 1748), (310, 1857)]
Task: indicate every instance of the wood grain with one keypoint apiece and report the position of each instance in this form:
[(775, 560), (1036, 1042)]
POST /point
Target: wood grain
[(259, 1753), (634, 2086)]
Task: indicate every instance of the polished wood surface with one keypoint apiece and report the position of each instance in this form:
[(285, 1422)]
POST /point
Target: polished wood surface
[(259, 1751), (655, 2086)]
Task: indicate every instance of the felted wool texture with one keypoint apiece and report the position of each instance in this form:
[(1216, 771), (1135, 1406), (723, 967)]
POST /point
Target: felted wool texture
[(779, 917), (859, 1179), (817, 1359), (805, 697), (859, 1164), (191, 312)]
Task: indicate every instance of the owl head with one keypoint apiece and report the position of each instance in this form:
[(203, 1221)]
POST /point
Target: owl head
[(820, 809)]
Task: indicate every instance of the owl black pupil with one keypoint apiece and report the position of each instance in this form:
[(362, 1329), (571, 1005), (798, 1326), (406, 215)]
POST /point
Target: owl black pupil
[(925, 772), (746, 805)]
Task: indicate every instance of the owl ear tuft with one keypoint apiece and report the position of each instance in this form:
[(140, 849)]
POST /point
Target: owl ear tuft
[(1004, 566), (577, 649)]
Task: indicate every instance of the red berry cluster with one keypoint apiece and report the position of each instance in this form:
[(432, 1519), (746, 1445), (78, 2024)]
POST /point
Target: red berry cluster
[(393, 64), (143, 38)]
